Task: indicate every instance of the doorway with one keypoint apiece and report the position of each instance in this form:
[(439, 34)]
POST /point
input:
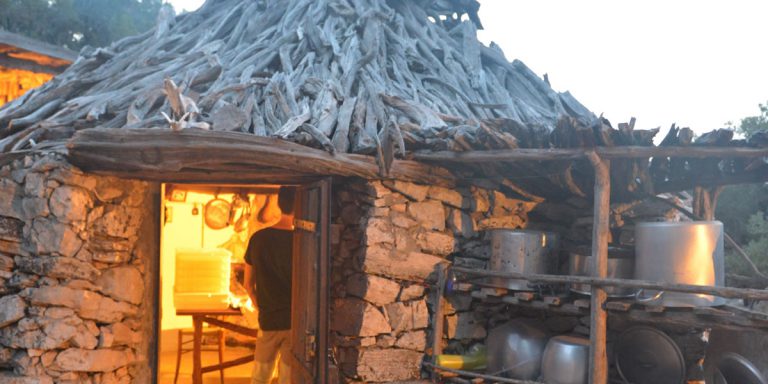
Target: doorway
[(204, 304)]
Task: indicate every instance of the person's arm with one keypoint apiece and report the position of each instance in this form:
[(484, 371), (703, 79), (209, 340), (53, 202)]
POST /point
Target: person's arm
[(249, 286)]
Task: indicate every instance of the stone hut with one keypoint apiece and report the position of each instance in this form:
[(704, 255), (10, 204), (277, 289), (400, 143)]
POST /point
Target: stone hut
[(356, 102)]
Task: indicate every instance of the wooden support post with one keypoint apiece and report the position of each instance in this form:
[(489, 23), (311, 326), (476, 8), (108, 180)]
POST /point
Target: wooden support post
[(438, 320), (598, 361), (197, 367)]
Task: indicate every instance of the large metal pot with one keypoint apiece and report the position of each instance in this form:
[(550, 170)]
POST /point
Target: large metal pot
[(680, 252), (521, 251), (515, 349), (621, 265), (566, 360)]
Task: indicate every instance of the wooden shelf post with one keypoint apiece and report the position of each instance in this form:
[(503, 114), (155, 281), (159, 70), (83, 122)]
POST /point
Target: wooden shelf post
[(598, 361)]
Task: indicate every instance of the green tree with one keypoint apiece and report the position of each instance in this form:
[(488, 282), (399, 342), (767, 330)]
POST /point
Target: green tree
[(76, 23), (743, 209)]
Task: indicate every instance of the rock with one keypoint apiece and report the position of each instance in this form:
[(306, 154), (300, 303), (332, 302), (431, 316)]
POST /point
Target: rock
[(11, 229), (503, 205), (374, 289), (122, 334), (13, 308), (354, 317), (84, 339), (458, 302), (378, 231), (10, 198), (379, 211), (34, 185), (462, 224), (407, 316), (377, 189), (118, 221), (410, 190), (416, 341), (411, 292), (87, 304), (122, 283), (505, 222), (405, 241), (99, 360), (447, 196), (411, 266), (6, 263), (402, 220), (388, 365), (480, 200), (70, 204), (436, 243), (57, 267), (35, 207), (464, 326), (59, 312), (430, 214), (50, 237), (7, 377), (385, 341)]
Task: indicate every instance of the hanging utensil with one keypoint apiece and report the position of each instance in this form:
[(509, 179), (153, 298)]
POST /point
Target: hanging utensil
[(242, 223), (217, 213)]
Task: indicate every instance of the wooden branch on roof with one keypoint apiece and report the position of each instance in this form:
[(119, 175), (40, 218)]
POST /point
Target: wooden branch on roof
[(162, 154), (557, 154)]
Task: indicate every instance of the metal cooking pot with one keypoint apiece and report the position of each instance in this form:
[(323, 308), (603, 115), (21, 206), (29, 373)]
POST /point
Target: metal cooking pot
[(566, 360), (680, 252), (734, 368), (621, 265), (515, 349), (521, 251)]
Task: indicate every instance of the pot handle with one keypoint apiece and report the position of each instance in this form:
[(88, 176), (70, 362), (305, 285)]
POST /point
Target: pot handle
[(647, 300)]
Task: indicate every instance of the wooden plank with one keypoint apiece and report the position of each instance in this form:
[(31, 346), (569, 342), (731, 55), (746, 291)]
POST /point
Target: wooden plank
[(598, 361), (197, 373), (726, 292), (619, 152), (148, 153), (621, 306)]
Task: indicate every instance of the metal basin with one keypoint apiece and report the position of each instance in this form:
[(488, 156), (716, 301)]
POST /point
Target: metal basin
[(521, 251), (683, 253), (515, 349), (621, 265), (566, 360)]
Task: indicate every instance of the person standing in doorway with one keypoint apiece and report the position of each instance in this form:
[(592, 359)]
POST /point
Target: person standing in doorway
[(268, 280)]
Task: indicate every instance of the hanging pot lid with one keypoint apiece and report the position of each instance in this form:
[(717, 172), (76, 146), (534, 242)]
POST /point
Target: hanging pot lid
[(217, 213), (734, 368), (645, 355)]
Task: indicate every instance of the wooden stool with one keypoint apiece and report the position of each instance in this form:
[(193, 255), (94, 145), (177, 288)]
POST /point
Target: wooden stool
[(218, 332)]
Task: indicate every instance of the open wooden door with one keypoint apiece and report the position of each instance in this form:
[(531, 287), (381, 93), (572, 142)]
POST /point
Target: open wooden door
[(310, 291)]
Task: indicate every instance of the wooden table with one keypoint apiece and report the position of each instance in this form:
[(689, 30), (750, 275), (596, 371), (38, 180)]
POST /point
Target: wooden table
[(206, 316)]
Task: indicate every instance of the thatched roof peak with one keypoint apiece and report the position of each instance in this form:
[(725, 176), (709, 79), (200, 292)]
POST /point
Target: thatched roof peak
[(363, 76)]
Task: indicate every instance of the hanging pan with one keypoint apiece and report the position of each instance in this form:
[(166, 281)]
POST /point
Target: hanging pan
[(217, 213)]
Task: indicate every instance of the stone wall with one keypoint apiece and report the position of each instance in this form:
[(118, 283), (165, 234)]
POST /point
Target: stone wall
[(75, 298), (387, 239)]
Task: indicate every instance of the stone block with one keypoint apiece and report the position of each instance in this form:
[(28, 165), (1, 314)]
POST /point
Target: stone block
[(6, 263), (50, 237), (354, 317), (407, 316), (87, 304), (411, 266), (430, 214), (70, 204), (436, 243), (13, 308), (388, 365), (57, 267), (405, 241), (402, 220), (11, 229), (448, 196), (416, 341), (412, 191), (480, 200), (122, 283), (10, 198), (118, 221), (7, 377), (374, 289), (98, 360), (413, 291), (377, 231), (505, 222)]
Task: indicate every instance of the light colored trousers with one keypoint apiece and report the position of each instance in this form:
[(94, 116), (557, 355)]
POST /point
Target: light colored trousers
[(272, 348)]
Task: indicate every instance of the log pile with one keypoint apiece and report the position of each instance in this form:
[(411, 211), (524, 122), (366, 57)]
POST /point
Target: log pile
[(362, 76)]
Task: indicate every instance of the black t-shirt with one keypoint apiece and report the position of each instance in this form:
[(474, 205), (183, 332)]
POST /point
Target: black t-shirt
[(269, 253)]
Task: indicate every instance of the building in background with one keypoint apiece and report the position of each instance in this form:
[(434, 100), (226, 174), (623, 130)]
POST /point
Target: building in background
[(27, 63)]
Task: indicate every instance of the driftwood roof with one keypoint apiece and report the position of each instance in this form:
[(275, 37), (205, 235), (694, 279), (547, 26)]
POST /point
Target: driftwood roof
[(394, 78), (21, 52)]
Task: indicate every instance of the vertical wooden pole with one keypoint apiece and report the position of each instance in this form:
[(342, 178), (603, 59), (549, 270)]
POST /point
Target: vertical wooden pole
[(598, 361), (197, 368), (438, 320)]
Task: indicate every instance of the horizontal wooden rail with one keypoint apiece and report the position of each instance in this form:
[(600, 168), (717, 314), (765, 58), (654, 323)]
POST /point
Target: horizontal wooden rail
[(493, 379), (726, 292), (619, 152)]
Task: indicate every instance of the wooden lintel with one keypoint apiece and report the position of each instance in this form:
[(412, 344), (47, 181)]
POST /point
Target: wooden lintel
[(620, 152), (162, 153)]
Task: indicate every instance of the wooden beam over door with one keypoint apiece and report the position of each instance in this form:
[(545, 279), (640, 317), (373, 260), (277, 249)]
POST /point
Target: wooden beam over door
[(161, 153)]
